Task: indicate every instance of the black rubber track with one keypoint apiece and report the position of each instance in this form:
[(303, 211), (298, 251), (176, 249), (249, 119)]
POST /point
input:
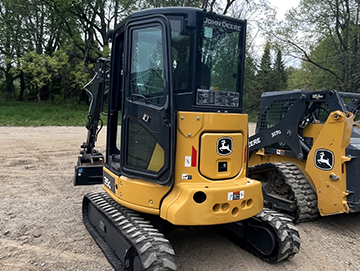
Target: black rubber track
[(287, 236), (153, 249), (302, 191)]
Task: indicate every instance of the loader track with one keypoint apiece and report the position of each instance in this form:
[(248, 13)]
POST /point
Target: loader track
[(287, 235), (149, 250), (293, 186)]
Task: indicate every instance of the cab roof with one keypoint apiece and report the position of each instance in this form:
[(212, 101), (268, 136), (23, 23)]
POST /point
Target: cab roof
[(189, 12)]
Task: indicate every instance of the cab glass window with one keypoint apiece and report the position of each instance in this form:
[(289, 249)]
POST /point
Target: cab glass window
[(147, 66), (180, 55), (143, 150), (219, 74), (220, 54)]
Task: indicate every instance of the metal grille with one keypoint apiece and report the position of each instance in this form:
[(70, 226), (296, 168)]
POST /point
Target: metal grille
[(275, 113)]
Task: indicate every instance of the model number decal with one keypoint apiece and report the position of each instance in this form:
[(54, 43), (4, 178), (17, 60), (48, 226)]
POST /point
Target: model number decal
[(107, 182), (317, 96), (276, 133), (254, 142), (236, 195)]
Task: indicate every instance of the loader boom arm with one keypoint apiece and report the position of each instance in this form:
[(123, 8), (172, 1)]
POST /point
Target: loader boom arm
[(283, 114)]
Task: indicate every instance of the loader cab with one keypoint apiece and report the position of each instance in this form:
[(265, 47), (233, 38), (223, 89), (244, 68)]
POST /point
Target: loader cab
[(164, 61)]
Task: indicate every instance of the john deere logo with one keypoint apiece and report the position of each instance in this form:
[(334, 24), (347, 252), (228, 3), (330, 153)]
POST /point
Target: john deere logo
[(324, 159), (224, 146)]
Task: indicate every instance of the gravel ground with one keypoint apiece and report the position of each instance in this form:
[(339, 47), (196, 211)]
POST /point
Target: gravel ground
[(41, 225)]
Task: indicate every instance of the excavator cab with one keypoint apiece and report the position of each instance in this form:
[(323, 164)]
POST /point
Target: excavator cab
[(176, 151), (171, 65)]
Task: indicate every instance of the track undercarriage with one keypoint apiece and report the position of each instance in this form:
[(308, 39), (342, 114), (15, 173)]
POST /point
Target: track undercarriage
[(286, 189), (131, 242)]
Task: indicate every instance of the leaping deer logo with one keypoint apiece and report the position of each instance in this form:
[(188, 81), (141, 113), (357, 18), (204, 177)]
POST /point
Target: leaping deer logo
[(323, 160), (224, 146)]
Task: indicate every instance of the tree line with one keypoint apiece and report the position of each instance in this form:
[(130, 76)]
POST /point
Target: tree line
[(48, 48)]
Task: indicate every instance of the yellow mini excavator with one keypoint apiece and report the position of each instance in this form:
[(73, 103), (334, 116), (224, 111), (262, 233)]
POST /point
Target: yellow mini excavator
[(176, 152), (306, 152)]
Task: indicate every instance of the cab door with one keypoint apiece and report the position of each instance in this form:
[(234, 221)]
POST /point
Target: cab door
[(147, 134)]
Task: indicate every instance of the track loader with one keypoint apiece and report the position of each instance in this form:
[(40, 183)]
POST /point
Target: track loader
[(176, 149), (306, 151)]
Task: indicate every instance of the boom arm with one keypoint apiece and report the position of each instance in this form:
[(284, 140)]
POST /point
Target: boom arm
[(89, 167)]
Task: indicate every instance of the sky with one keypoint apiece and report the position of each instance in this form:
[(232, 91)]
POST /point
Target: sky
[(283, 5)]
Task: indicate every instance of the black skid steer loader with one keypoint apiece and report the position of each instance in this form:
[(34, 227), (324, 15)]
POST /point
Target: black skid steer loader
[(176, 151), (306, 152)]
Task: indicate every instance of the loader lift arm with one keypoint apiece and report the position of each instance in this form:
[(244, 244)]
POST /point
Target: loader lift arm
[(90, 163), (282, 119), (353, 106)]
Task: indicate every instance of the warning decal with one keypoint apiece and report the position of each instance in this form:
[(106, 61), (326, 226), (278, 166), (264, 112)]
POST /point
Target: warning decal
[(187, 161), (190, 161), (236, 195)]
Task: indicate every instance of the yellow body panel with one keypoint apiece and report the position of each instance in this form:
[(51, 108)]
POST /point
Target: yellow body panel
[(330, 186), (209, 165), (180, 207), (137, 194), (198, 197), (197, 135)]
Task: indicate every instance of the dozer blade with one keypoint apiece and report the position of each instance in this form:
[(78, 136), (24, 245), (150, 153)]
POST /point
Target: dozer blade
[(270, 236), (127, 240)]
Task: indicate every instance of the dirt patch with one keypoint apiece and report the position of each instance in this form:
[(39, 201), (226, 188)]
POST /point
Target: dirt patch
[(41, 225)]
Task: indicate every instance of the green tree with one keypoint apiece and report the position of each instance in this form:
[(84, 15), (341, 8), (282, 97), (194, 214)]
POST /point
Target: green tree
[(310, 77), (42, 68), (333, 25), (279, 73), (74, 28), (12, 34), (26, 26), (265, 64), (263, 78), (255, 78), (250, 85)]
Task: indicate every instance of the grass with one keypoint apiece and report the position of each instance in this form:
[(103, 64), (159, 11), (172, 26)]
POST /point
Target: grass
[(31, 114), (13, 113)]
